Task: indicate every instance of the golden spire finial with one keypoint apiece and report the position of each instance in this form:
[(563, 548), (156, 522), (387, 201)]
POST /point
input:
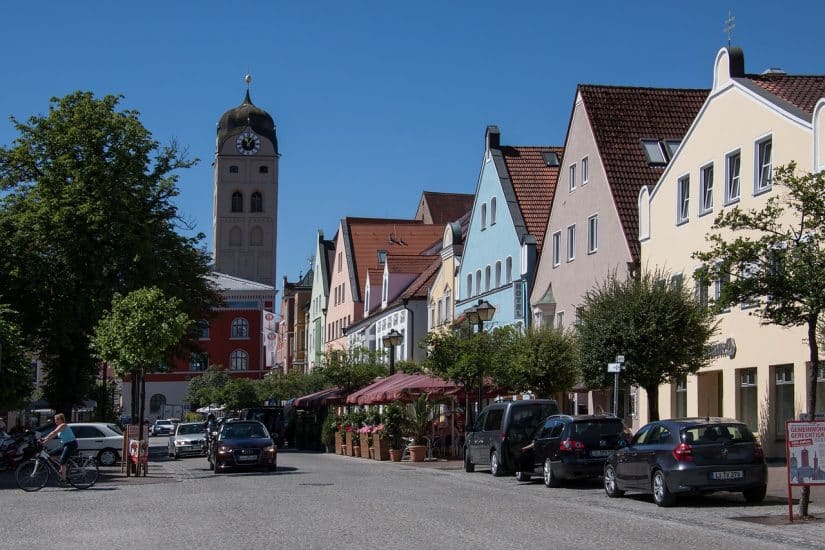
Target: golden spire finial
[(729, 25), (248, 79)]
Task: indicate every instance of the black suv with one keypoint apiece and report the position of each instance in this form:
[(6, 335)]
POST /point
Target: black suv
[(568, 447), (500, 432)]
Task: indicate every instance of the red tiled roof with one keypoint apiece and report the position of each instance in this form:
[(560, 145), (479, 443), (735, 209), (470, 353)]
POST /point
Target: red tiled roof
[(620, 117), (446, 207), (421, 285), (369, 235), (801, 91), (534, 184), (397, 263)]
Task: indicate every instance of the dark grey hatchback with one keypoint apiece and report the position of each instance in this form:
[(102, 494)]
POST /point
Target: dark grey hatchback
[(688, 455)]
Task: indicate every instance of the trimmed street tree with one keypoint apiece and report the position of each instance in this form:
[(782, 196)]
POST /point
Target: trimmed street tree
[(15, 375), (543, 360), (139, 334), (654, 321), (352, 369), (240, 393), (280, 387), (776, 252), (88, 212), (204, 389)]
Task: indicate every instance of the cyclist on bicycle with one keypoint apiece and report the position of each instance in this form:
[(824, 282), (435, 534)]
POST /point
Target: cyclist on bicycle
[(66, 435)]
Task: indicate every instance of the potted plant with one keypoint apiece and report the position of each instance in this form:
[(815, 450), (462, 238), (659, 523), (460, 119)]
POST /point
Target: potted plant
[(354, 420), (380, 443), (330, 436), (418, 426), (364, 438), (393, 421)]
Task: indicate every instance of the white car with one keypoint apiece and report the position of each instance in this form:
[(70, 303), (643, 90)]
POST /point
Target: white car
[(100, 440)]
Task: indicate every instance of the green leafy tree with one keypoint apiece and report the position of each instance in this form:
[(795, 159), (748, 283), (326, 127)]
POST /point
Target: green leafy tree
[(139, 334), (777, 252), (240, 393), (352, 369), (654, 321), (15, 375), (543, 360), (204, 389), (281, 387), (87, 212)]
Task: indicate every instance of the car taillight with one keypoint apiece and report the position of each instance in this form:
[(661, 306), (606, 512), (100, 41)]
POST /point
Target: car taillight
[(683, 452), (502, 436), (758, 453), (571, 445)]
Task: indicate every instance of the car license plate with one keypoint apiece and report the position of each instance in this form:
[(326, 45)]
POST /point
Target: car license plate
[(247, 458), (599, 453), (735, 474)]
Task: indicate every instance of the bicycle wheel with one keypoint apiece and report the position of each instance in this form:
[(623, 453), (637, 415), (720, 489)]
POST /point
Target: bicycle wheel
[(82, 472), (32, 475)]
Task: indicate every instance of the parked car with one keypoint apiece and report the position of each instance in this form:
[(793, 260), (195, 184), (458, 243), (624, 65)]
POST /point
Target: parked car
[(569, 447), (243, 444), (100, 440), (501, 431), (162, 427), (189, 439), (690, 455)]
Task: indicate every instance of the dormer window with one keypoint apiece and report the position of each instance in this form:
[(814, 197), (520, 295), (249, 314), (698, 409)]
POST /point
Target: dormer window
[(550, 158), (654, 151)]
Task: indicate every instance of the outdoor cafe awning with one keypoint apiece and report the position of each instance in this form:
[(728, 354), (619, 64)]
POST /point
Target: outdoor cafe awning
[(402, 386), (319, 399)]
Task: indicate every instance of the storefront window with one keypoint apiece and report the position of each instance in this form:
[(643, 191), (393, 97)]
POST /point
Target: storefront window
[(747, 398), (820, 391), (680, 397), (783, 404)]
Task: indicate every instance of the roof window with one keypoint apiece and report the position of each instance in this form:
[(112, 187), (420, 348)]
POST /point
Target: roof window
[(654, 151), (550, 158)]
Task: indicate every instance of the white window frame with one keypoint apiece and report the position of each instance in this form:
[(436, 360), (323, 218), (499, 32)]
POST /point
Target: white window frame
[(560, 320), (760, 166), (571, 172), (593, 234), (585, 170), (493, 211), (571, 242), (239, 329), (483, 216), (683, 199), (236, 357), (556, 248), (705, 190), (729, 179), (508, 270), (469, 292), (498, 273), (478, 281), (488, 278), (717, 289)]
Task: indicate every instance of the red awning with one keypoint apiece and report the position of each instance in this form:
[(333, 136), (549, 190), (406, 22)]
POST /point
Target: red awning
[(353, 398), (319, 399), (404, 387)]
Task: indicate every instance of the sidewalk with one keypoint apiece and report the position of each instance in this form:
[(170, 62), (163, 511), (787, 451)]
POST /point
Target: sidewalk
[(778, 486)]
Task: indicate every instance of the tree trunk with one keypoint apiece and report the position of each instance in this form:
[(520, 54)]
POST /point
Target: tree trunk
[(142, 382), (135, 395), (652, 403), (810, 372)]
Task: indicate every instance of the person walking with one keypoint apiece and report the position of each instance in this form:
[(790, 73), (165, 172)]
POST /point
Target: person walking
[(66, 436)]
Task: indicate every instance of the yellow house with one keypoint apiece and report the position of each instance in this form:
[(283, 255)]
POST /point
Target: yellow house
[(749, 125), (441, 298)]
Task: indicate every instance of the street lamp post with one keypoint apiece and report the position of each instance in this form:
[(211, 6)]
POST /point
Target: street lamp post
[(477, 315), (391, 339)]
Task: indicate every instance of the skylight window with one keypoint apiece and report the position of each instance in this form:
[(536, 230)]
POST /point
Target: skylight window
[(550, 158), (654, 151), (672, 145)]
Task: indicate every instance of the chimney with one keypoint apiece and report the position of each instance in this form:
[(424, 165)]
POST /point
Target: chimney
[(493, 137), (774, 71)]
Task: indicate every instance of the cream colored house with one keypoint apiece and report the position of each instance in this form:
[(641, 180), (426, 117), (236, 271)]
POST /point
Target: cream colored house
[(441, 298), (748, 125)]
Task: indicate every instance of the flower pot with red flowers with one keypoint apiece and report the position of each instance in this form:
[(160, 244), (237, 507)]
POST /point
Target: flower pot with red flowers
[(364, 440), (380, 443)]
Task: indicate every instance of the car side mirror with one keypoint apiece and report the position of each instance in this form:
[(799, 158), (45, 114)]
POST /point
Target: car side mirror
[(622, 443)]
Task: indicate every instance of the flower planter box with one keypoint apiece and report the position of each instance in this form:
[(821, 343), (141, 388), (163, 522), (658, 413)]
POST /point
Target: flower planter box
[(350, 444), (365, 444), (418, 453), (395, 455), (372, 453), (338, 443), (344, 450), (381, 449), (356, 451)]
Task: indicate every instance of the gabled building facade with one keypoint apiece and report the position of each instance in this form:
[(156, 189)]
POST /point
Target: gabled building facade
[(749, 125), (442, 295), (506, 229), (292, 341), (316, 322)]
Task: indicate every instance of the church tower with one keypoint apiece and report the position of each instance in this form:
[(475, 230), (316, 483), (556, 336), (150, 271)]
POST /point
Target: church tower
[(245, 199)]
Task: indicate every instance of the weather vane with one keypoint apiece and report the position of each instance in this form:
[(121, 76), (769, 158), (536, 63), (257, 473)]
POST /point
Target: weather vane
[(729, 25)]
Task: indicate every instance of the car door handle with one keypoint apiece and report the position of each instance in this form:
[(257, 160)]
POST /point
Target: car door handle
[(98, 441)]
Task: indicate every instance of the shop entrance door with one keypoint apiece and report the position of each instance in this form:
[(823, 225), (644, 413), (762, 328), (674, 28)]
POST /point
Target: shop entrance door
[(710, 393)]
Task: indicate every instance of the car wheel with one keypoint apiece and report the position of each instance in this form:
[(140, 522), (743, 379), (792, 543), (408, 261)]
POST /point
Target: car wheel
[(522, 476), (755, 494), (495, 465), (610, 486), (107, 457), (661, 494), (550, 480), (468, 464)]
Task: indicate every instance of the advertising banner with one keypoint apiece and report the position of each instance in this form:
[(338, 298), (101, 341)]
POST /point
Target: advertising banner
[(270, 337), (805, 452)]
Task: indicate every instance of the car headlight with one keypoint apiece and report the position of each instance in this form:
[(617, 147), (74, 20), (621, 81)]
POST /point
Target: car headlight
[(271, 449), (223, 449), (179, 442)]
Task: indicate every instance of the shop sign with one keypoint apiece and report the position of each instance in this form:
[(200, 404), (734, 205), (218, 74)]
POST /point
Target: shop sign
[(722, 349)]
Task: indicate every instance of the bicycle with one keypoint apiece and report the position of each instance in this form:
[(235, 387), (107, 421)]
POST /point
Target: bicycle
[(81, 471)]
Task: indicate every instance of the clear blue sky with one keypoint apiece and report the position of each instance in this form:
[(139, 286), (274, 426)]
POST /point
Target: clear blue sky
[(374, 102)]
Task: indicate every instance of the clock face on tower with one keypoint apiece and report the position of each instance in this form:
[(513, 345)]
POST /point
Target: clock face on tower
[(248, 143)]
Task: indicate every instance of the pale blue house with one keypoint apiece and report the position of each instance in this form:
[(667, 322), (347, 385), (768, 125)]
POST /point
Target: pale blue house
[(509, 218)]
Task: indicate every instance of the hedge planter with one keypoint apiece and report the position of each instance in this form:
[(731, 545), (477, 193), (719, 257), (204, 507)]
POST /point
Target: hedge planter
[(350, 442), (381, 449), (338, 443), (395, 455), (356, 451)]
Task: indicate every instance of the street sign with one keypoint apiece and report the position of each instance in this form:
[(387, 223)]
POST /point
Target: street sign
[(620, 358), (614, 367)]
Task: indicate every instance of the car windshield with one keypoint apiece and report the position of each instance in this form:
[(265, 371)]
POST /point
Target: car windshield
[(115, 428), (596, 428), (709, 434), (184, 429), (243, 431), (163, 422)]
